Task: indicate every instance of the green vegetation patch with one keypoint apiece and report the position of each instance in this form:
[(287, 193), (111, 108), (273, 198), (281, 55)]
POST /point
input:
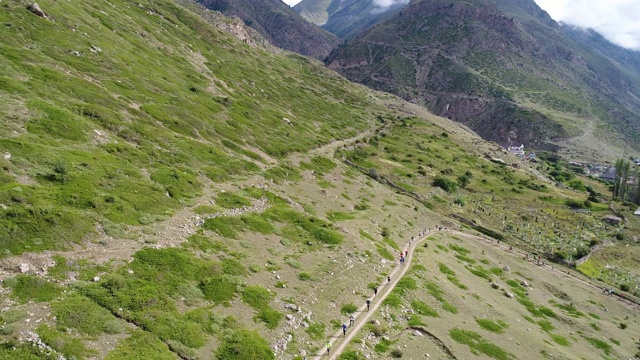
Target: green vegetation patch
[(141, 345), (349, 308), (493, 326), (384, 252), (478, 345), (459, 249), (384, 345), (423, 309), (320, 164), (337, 216), (521, 295), (435, 291), (259, 298), (32, 288), (230, 200), (65, 343), (445, 270), (316, 331), (406, 284), (570, 309), (600, 344), (246, 345), (84, 315), (220, 289), (303, 228), (365, 235), (9, 351)]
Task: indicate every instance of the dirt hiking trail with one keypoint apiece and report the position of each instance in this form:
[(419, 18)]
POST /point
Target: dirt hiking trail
[(363, 317)]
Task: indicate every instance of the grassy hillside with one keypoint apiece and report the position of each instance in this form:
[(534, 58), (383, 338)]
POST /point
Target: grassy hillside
[(168, 191), (126, 133)]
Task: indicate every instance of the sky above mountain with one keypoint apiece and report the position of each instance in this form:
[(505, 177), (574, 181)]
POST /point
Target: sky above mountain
[(616, 20)]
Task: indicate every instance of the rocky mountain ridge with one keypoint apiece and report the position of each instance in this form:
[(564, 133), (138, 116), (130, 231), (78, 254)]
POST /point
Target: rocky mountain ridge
[(503, 67), (278, 24)]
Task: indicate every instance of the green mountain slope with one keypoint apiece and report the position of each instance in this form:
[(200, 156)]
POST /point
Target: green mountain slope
[(502, 67), (120, 128), (170, 189), (279, 24)]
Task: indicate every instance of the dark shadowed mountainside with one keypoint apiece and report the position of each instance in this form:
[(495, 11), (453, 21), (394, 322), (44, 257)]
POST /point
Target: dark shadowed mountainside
[(503, 67), (279, 24)]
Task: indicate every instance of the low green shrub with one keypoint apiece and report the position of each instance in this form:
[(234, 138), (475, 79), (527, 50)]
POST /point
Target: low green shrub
[(32, 288), (246, 345), (349, 308), (423, 309)]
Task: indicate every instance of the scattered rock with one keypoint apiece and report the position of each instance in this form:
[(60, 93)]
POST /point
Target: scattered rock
[(506, 268), (94, 49), (417, 333), (289, 317), (508, 294), (289, 306), (524, 283), (495, 285), (96, 278), (23, 268), (303, 352), (36, 10), (6, 156), (76, 53)]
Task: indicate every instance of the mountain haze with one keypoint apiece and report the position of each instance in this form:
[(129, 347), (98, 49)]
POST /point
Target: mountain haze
[(279, 24), (503, 67), (346, 19)]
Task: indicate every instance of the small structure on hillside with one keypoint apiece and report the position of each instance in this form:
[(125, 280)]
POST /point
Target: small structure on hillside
[(612, 220), (637, 212)]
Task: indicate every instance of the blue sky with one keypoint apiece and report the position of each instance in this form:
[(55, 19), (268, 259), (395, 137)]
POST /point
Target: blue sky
[(616, 20)]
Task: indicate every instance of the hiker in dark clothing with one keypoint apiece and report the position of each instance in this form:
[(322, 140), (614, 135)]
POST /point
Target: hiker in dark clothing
[(368, 304), (344, 329)]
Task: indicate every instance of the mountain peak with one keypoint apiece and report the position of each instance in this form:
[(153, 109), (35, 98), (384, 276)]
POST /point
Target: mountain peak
[(503, 67), (279, 24)]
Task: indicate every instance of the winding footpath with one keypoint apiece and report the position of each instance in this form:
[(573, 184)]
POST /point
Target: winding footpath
[(340, 342)]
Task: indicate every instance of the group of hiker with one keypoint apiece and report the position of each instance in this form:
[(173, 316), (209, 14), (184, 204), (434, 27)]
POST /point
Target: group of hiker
[(352, 319)]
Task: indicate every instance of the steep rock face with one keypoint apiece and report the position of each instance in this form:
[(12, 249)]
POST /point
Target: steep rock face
[(347, 18), (503, 67), (279, 24)]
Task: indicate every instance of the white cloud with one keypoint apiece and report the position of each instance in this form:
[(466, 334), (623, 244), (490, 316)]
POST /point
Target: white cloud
[(387, 3), (616, 20), (381, 6)]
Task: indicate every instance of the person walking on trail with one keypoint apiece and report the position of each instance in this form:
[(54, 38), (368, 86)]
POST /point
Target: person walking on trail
[(344, 329), (368, 304), (375, 291), (389, 278), (328, 347), (352, 320), (406, 253)]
